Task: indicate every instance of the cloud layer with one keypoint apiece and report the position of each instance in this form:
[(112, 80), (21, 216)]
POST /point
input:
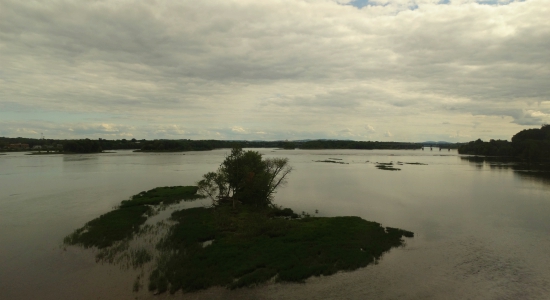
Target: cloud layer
[(282, 69)]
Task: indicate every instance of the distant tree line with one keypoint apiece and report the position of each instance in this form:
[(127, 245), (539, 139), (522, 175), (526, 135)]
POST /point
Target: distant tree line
[(74, 146), (122, 144), (178, 145), (202, 145), (5, 142), (189, 145), (529, 144), (330, 144), (82, 146), (89, 146)]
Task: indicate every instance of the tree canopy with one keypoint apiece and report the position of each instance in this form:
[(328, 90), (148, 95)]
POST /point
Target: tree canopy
[(82, 146), (245, 177), (529, 144)]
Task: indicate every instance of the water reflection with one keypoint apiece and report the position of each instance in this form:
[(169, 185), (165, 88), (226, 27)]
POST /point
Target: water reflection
[(70, 158), (481, 223), (534, 171)]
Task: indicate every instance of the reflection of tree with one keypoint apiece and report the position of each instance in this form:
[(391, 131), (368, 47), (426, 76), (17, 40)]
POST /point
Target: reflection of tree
[(539, 172)]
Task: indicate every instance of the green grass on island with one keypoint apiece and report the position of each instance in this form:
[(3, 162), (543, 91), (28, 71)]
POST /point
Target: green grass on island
[(252, 246), (233, 247), (123, 222)]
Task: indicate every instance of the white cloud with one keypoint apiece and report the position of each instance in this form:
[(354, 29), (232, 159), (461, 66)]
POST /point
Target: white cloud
[(238, 129), (280, 68)]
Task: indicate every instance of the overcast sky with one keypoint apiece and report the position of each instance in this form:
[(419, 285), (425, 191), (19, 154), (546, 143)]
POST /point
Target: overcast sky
[(385, 70)]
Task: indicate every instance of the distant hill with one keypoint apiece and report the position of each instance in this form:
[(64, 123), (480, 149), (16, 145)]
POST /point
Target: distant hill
[(312, 140), (436, 143)]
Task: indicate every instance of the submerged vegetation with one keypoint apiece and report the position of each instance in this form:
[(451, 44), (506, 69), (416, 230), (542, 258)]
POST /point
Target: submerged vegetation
[(123, 222), (387, 167), (330, 160), (241, 240)]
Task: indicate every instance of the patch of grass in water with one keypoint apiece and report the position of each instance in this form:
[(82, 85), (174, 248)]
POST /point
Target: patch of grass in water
[(163, 195), (332, 161), (113, 226), (124, 222), (387, 167), (250, 247), (140, 257)]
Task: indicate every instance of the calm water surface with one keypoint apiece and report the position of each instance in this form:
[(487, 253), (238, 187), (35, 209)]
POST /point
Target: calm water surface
[(481, 229)]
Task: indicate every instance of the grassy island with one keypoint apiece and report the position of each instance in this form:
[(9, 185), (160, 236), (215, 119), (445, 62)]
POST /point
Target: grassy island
[(248, 245), (242, 239)]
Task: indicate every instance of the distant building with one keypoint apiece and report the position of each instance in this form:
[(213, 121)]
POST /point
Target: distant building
[(37, 147), (19, 146)]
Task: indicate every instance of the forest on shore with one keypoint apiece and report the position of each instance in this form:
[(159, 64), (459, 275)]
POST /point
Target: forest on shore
[(164, 145), (529, 144)]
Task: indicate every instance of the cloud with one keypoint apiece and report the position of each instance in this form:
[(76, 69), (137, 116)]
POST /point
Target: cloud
[(458, 135), (388, 134), (369, 128), (532, 117), (170, 131), (185, 68), (238, 129)]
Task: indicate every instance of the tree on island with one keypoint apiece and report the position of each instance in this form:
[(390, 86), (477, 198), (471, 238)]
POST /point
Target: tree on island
[(257, 243), (244, 177)]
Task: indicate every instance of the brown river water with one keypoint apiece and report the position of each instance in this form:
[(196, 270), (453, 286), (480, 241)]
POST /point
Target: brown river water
[(481, 227)]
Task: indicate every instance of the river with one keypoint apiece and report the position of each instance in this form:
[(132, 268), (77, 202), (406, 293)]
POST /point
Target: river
[(481, 228)]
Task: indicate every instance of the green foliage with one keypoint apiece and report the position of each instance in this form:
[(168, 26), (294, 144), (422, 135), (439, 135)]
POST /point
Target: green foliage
[(202, 145), (360, 145), (387, 167), (528, 144), (82, 146), (112, 226), (124, 222), (245, 247), (246, 178), (532, 134), (162, 195), (289, 146), (491, 148), (250, 247), (176, 145), (332, 161)]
